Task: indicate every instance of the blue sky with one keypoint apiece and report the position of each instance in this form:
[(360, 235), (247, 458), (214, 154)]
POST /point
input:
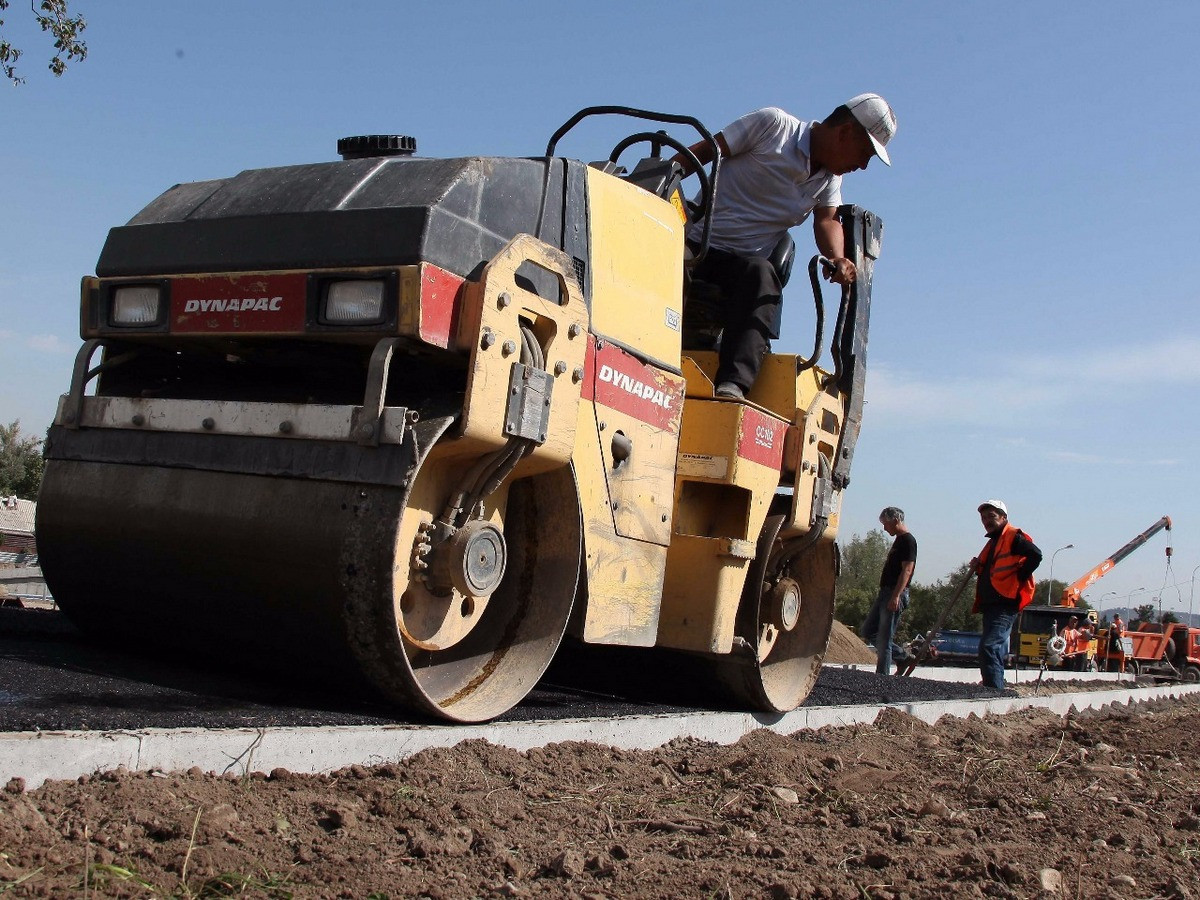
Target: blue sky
[(1035, 334)]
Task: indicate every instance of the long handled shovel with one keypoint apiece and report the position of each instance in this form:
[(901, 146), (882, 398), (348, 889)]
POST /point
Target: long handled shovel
[(927, 647)]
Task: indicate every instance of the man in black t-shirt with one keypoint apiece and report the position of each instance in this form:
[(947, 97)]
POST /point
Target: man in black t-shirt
[(879, 628)]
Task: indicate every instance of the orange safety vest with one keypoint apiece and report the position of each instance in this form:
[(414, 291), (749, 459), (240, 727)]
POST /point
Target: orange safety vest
[(1003, 569)]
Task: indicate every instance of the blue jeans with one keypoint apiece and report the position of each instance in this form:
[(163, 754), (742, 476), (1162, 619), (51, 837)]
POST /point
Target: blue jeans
[(993, 646), (881, 623)]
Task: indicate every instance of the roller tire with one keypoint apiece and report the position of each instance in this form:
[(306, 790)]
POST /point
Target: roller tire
[(784, 679)]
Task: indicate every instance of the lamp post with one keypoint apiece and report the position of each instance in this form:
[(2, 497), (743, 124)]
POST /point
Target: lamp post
[(1100, 608), (1050, 585)]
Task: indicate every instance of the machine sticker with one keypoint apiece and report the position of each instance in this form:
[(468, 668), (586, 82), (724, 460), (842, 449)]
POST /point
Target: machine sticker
[(440, 293), (761, 439), (239, 303), (620, 381), (673, 319), (702, 465)]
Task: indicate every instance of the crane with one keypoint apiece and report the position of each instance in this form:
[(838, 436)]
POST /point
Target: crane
[(1071, 594)]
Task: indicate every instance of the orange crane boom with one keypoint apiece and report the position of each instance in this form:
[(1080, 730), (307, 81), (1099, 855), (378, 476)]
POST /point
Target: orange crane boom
[(1071, 594)]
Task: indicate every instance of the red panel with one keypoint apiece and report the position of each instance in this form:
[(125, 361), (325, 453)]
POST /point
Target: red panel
[(622, 382), (762, 438), (440, 293), (243, 304)]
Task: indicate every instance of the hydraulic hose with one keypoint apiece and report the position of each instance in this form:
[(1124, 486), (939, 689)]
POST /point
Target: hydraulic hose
[(815, 280)]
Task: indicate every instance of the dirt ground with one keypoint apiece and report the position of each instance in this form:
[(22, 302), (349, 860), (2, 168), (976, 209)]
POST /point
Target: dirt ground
[(1094, 805)]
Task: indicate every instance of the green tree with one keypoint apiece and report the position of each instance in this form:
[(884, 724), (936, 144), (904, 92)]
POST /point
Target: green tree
[(1052, 597), (1168, 618), (54, 17), (20, 463), (1144, 613), (858, 582)]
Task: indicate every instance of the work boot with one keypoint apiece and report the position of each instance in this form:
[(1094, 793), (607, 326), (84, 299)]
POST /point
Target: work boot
[(730, 390)]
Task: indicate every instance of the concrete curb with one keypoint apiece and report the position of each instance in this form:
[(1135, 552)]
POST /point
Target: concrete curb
[(42, 756)]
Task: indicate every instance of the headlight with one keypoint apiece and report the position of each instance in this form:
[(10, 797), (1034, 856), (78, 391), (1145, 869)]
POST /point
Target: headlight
[(135, 305), (356, 301)]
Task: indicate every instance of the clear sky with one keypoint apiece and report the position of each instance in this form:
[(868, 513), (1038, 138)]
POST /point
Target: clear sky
[(1035, 333)]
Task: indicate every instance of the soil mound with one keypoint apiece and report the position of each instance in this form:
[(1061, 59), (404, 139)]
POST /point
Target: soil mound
[(846, 647), (1031, 805)]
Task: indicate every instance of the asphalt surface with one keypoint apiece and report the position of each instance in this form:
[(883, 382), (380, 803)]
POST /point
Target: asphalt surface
[(52, 678)]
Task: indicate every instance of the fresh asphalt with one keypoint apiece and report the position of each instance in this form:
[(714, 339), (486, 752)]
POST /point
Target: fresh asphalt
[(54, 679)]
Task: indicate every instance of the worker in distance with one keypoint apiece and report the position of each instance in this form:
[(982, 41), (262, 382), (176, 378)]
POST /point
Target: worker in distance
[(1004, 586), (776, 171)]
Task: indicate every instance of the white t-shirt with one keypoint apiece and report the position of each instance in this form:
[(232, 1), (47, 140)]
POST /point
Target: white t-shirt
[(766, 184)]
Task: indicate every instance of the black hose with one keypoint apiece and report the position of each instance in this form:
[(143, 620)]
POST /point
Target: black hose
[(815, 280)]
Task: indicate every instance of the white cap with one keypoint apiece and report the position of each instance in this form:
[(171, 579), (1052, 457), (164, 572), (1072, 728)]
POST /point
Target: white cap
[(994, 504), (874, 114)]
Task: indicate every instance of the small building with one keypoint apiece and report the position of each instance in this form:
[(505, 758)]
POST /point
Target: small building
[(18, 546)]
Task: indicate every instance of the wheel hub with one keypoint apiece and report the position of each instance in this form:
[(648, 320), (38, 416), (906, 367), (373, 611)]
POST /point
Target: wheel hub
[(471, 561), (780, 613)]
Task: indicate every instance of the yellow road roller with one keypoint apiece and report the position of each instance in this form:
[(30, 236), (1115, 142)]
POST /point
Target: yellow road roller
[(407, 423)]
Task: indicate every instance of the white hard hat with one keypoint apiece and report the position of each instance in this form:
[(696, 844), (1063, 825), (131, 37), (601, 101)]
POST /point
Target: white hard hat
[(875, 115), (994, 504)]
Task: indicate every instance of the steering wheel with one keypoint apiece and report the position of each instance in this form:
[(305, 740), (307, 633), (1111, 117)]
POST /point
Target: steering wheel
[(694, 213)]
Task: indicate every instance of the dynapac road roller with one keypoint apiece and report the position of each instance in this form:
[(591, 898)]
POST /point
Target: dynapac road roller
[(408, 422)]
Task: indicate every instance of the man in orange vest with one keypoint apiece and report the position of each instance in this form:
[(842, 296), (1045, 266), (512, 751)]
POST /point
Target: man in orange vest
[(1003, 587), (1070, 634)]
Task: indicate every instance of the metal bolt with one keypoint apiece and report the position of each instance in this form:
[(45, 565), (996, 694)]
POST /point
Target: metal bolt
[(285, 427), (509, 348), (366, 428), (603, 425), (575, 330), (139, 420), (69, 417), (208, 424), (504, 300), (599, 345), (812, 438), (664, 518), (577, 375), (560, 367), (488, 339)]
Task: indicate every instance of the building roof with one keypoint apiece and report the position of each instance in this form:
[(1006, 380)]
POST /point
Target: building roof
[(16, 516)]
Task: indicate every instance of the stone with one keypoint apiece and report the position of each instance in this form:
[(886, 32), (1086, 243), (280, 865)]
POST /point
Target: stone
[(1051, 881), (787, 795)]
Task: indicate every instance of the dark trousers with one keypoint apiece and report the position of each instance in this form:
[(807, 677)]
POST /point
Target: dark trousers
[(751, 312)]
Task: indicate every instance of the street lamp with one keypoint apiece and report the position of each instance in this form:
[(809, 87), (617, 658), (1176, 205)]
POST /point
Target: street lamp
[(1050, 586), (1100, 608)]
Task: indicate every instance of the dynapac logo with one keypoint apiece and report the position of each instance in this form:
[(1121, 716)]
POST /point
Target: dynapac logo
[(234, 305), (635, 387)]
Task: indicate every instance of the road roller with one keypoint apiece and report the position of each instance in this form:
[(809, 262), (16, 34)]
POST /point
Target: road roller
[(413, 425)]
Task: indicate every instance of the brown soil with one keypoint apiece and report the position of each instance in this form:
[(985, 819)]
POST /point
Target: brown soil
[(1093, 805), (846, 647)]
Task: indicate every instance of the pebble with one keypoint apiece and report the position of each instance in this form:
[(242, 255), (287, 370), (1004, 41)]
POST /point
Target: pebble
[(1123, 881), (1051, 881), (787, 795)]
